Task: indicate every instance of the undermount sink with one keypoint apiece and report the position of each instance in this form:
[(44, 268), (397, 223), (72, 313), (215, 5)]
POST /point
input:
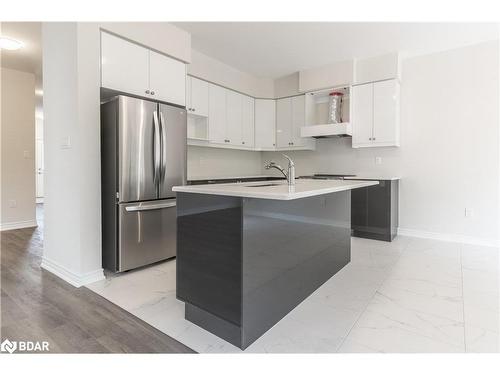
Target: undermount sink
[(263, 185)]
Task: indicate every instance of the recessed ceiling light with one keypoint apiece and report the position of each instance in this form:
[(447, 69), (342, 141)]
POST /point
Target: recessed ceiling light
[(10, 44)]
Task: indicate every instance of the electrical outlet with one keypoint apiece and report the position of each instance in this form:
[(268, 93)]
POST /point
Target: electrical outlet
[(468, 212), (378, 160), (12, 203), (26, 154)]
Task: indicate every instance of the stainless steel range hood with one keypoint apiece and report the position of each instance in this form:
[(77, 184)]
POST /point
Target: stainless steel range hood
[(327, 131)]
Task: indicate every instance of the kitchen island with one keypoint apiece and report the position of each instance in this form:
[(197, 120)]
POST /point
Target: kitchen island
[(248, 253)]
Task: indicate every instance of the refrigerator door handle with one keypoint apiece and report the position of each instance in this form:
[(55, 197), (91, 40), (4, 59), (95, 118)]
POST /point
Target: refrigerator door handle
[(151, 206), (156, 152), (163, 164)]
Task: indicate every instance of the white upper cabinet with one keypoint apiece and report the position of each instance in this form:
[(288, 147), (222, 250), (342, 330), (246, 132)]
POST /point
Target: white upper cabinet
[(132, 69), (217, 114), (234, 118), (167, 79), (298, 120), (290, 117), (197, 96), (375, 114), (124, 66), (386, 113), (248, 122), (362, 115), (283, 122), (265, 124)]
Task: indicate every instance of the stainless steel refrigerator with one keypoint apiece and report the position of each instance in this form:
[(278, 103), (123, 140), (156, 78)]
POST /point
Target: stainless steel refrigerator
[(143, 155)]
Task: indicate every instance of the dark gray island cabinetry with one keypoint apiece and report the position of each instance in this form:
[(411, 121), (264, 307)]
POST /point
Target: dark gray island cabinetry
[(247, 255)]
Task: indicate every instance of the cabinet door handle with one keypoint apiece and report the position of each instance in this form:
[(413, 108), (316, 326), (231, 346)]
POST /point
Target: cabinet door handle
[(243, 142), (373, 139), (194, 109), (152, 92), (147, 91)]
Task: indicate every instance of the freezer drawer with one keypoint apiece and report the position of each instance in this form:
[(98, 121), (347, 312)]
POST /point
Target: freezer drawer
[(147, 233)]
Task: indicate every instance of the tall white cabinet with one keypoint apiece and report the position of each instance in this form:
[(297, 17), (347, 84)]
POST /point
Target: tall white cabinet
[(217, 115), (133, 69), (230, 118), (290, 117), (196, 96), (375, 114), (265, 124)]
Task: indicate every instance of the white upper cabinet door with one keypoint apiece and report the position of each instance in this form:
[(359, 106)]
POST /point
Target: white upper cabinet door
[(217, 114), (247, 121), (167, 79), (386, 113), (234, 112), (284, 122), (188, 93), (298, 120), (199, 97), (362, 115), (265, 124), (124, 65)]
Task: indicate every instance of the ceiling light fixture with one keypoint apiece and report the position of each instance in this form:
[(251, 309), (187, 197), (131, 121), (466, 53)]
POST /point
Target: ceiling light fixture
[(10, 44)]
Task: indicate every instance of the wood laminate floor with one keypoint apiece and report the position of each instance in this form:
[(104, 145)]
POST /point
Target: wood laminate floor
[(38, 306)]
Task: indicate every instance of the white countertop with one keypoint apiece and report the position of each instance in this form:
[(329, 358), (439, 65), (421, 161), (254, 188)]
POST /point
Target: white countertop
[(279, 190), (198, 178), (362, 176)]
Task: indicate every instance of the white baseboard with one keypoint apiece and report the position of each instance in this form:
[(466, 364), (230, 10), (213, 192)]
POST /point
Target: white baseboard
[(449, 237), (18, 225), (71, 277)]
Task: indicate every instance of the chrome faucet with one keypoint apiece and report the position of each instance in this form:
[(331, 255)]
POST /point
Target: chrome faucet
[(290, 174)]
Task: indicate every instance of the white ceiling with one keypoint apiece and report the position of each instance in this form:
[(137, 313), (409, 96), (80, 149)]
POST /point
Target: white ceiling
[(29, 58), (275, 49)]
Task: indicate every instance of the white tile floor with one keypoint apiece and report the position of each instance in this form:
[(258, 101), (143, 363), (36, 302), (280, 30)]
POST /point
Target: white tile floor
[(410, 295)]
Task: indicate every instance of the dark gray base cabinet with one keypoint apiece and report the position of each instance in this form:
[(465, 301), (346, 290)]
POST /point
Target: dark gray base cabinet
[(374, 211), (244, 263)]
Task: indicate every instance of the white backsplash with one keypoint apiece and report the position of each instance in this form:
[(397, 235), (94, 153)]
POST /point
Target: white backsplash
[(207, 162)]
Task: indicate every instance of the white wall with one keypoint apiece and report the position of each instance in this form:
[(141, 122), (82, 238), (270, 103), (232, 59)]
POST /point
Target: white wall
[(207, 162), (448, 159), (17, 138), (161, 36), (212, 70), (287, 85), (72, 238)]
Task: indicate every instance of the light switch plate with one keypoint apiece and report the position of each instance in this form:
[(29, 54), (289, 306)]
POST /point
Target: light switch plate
[(378, 160)]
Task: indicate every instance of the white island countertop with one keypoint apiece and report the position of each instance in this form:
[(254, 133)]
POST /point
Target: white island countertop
[(363, 176), (278, 190)]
